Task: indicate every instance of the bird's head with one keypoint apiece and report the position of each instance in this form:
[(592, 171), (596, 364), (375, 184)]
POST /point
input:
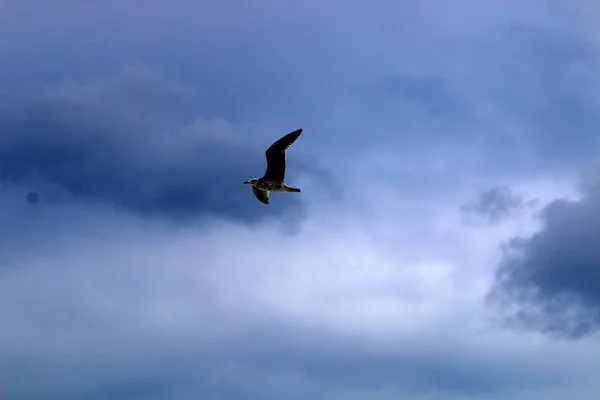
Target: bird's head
[(252, 181)]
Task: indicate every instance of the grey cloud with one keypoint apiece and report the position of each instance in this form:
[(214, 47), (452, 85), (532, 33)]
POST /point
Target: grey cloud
[(255, 63), (539, 79), (244, 72), (135, 325), (518, 98), (147, 315), (269, 363), (134, 142), (551, 281), (125, 309), (494, 204), (397, 97), (274, 369)]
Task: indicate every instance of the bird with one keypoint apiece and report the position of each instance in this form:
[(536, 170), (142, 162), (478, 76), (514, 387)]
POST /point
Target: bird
[(273, 180)]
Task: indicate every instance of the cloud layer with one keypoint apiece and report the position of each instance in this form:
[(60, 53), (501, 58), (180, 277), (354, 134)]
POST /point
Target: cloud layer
[(440, 165), (130, 142), (554, 275)]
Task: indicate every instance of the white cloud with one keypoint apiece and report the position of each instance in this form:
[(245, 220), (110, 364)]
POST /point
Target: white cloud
[(395, 282)]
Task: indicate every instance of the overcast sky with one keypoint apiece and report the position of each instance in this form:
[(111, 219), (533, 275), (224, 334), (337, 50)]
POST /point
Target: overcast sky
[(444, 245)]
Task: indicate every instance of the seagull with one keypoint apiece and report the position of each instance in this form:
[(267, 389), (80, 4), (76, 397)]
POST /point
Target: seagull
[(275, 174)]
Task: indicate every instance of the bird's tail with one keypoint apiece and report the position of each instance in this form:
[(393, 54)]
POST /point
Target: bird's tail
[(291, 189)]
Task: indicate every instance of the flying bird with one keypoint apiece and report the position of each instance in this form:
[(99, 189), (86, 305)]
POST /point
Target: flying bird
[(273, 179)]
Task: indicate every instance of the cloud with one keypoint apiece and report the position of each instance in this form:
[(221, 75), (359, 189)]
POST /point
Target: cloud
[(130, 141), (550, 281), (137, 276), (494, 204), (550, 95), (133, 309)]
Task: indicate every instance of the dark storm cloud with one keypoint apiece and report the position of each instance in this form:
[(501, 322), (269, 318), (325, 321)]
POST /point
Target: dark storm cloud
[(133, 142), (553, 277), (551, 281)]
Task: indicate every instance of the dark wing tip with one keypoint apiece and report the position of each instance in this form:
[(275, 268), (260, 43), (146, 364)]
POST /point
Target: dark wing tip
[(295, 134), (286, 141)]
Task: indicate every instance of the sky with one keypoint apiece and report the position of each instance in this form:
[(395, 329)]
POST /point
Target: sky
[(444, 244)]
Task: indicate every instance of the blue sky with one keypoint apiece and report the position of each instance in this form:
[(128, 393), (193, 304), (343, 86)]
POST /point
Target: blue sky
[(444, 244)]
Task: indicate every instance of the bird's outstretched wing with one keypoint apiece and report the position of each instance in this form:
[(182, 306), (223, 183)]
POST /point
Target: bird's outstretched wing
[(261, 195), (276, 156)]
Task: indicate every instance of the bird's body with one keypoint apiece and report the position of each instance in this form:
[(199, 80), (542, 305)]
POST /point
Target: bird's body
[(274, 186), (273, 180)]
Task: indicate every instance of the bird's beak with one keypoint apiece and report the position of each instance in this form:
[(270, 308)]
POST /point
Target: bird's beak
[(247, 182)]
